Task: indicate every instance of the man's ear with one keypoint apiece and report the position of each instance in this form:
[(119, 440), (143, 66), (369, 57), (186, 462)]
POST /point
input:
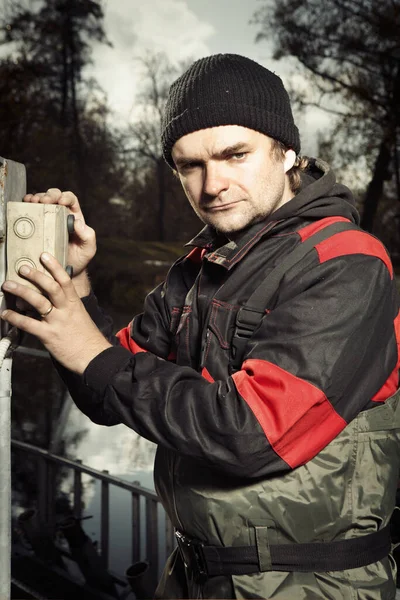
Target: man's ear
[(290, 157)]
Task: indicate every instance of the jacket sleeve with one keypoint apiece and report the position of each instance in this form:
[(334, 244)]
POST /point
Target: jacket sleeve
[(327, 351), (153, 334)]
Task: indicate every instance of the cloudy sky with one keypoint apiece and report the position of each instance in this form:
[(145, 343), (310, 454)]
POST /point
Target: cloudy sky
[(183, 29)]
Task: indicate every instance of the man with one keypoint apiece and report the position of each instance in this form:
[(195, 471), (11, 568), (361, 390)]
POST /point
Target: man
[(277, 463)]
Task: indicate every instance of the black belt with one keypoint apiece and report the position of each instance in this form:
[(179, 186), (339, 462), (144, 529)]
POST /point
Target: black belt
[(208, 561)]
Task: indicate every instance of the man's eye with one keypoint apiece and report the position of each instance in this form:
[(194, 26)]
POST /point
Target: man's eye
[(189, 166), (238, 155)]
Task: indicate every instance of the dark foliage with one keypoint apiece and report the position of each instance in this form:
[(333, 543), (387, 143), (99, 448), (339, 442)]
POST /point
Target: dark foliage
[(350, 51)]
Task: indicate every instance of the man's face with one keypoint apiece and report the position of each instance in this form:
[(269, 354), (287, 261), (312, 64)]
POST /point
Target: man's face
[(230, 176)]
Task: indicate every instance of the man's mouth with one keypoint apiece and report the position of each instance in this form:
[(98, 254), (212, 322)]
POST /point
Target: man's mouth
[(221, 207)]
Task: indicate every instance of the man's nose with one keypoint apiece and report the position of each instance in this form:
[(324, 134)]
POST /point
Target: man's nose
[(215, 179)]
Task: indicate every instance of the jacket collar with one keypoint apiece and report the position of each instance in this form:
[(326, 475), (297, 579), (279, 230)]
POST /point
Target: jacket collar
[(227, 253), (319, 197)]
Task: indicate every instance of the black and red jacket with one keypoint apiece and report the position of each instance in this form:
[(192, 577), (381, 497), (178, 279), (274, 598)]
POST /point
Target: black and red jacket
[(328, 349)]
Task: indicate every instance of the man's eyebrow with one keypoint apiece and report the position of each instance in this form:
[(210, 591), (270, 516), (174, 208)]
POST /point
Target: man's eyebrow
[(234, 149), (184, 160), (227, 151)]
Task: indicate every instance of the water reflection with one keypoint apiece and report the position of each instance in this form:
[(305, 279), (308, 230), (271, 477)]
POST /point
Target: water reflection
[(44, 415), (126, 455), (118, 449)]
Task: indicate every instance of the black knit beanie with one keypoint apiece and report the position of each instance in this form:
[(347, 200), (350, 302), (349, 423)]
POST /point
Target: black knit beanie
[(228, 89)]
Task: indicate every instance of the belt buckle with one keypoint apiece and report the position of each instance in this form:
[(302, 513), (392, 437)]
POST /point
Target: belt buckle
[(192, 554)]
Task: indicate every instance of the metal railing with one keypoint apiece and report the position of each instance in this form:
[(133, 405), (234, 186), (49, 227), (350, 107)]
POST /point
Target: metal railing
[(145, 523)]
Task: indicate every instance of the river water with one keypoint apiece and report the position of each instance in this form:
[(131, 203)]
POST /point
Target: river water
[(45, 416)]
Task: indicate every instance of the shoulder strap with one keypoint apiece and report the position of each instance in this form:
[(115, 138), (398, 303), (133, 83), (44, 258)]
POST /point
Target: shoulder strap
[(249, 316)]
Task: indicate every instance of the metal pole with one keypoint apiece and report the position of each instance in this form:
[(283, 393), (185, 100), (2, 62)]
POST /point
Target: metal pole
[(12, 187), (105, 521), (5, 479)]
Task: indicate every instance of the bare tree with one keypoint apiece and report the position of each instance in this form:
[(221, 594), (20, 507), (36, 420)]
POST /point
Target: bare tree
[(51, 41), (350, 50), (144, 134)]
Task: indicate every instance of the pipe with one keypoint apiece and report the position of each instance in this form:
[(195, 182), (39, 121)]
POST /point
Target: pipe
[(4, 346), (5, 477), (85, 555), (12, 187), (5, 462), (141, 580)]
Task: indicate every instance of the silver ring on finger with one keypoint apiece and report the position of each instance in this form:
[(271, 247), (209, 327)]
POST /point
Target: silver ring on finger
[(48, 311)]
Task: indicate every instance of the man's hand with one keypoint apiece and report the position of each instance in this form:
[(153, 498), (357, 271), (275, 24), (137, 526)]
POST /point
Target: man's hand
[(82, 244), (65, 328)]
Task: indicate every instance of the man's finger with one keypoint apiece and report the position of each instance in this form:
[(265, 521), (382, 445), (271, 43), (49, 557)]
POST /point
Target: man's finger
[(57, 288), (32, 297), (52, 196), (32, 326), (59, 274), (83, 231), (61, 287), (70, 200), (55, 196), (49, 199), (34, 198), (54, 192)]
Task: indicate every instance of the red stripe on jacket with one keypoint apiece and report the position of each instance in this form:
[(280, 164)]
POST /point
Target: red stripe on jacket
[(196, 255), (309, 230), (392, 383), (124, 336), (207, 375), (345, 242), (353, 242), (296, 416)]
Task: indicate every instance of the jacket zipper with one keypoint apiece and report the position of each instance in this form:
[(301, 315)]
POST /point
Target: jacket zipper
[(173, 464), (204, 348)]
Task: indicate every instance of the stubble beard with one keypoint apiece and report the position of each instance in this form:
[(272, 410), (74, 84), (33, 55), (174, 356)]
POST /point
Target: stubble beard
[(267, 203), (249, 219)]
